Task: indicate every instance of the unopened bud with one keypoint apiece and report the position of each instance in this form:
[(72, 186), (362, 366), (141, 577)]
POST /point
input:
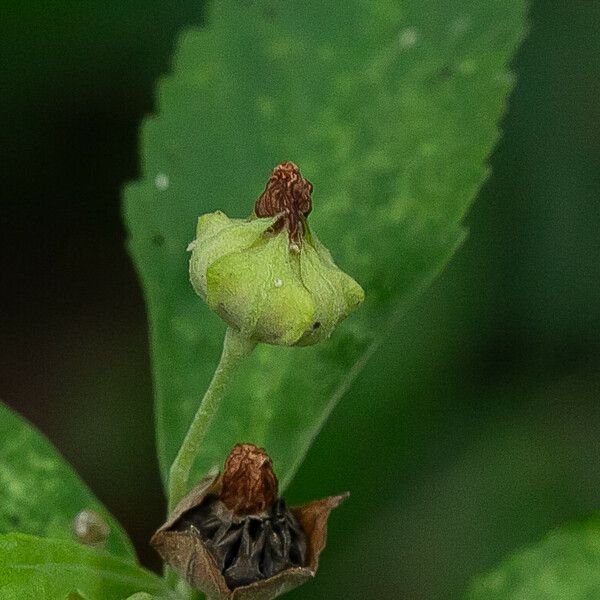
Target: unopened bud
[(268, 276)]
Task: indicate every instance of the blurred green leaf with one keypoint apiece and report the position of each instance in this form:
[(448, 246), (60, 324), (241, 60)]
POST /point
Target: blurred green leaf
[(40, 494), (564, 565), (76, 596), (389, 108), (33, 568)]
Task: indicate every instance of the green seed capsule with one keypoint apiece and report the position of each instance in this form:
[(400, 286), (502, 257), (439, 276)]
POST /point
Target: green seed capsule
[(269, 276)]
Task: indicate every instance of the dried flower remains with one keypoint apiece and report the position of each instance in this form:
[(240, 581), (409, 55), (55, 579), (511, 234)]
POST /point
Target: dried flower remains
[(288, 197), (232, 537)]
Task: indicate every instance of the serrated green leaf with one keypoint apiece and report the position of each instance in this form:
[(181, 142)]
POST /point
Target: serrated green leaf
[(564, 566), (390, 108), (33, 568), (40, 494)]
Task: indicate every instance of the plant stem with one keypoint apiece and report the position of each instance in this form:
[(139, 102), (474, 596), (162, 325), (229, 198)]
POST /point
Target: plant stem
[(235, 348)]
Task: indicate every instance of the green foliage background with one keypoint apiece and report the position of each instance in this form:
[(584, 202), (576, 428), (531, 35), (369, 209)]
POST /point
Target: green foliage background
[(473, 430)]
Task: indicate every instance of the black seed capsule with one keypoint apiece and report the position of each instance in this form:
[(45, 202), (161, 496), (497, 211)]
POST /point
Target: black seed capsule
[(248, 548), (232, 538)]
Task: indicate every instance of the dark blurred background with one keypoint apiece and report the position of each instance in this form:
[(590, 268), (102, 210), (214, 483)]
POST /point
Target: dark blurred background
[(473, 431)]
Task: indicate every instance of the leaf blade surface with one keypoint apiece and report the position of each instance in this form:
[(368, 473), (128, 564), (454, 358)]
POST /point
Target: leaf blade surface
[(47, 569), (564, 565), (40, 493), (389, 108)]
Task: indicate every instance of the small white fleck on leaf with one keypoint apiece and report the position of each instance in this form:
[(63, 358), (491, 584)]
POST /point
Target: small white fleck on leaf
[(161, 181), (408, 37)]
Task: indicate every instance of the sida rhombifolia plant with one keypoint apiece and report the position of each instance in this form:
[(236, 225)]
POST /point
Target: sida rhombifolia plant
[(272, 282), (391, 109)]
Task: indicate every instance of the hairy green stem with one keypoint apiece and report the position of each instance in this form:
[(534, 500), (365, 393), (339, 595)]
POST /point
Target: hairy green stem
[(235, 348)]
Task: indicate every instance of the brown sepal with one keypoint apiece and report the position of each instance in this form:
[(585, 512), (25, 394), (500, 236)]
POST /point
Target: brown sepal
[(184, 550)]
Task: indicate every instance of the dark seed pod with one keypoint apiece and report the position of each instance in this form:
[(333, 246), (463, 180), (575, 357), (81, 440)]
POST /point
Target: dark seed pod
[(221, 547)]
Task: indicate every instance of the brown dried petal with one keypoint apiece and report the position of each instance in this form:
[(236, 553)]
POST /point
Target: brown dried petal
[(186, 554), (313, 518), (273, 587), (184, 551), (287, 195), (249, 485), (210, 485)]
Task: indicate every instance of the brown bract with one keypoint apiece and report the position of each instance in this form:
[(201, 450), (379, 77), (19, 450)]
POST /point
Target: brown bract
[(185, 552), (288, 196)]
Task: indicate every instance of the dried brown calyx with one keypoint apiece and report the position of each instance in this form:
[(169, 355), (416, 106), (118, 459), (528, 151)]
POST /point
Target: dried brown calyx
[(232, 538), (288, 196)]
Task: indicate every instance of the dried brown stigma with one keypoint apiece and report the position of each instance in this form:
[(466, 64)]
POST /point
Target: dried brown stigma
[(288, 196), (249, 484)]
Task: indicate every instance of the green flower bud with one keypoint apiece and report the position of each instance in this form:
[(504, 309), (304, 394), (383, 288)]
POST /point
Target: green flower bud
[(268, 276)]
